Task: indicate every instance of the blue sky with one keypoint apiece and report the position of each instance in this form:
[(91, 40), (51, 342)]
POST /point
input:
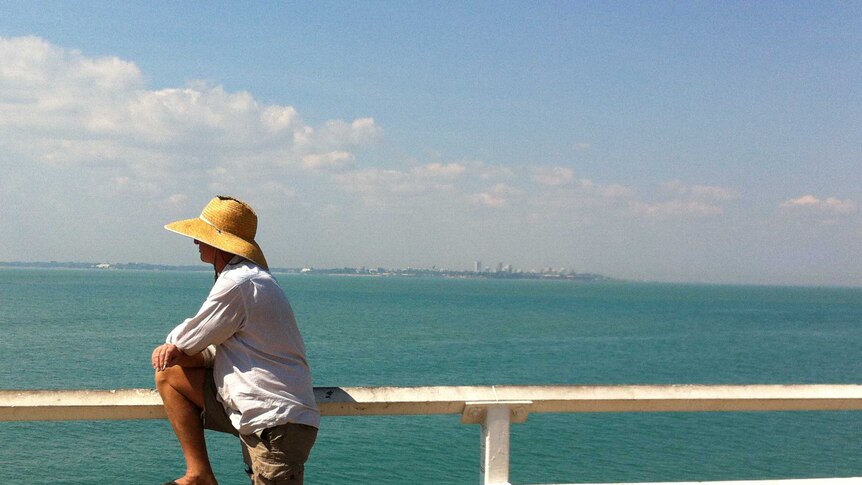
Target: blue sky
[(672, 141)]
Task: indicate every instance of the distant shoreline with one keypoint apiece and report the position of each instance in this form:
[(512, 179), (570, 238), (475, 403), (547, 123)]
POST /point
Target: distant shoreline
[(376, 272)]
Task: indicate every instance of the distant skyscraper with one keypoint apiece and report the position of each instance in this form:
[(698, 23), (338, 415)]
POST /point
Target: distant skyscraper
[(477, 267), (499, 267)]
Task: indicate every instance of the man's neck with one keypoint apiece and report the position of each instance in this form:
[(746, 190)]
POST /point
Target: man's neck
[(221, 260)]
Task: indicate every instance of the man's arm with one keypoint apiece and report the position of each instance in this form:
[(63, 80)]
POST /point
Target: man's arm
[(167, 355), (219, 318)]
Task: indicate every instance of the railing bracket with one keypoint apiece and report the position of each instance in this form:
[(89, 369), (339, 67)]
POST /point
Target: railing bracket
[(475, 412)]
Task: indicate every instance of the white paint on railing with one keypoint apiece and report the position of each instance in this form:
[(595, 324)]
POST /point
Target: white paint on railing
[(792, 481), (27, 405), (493, 407)]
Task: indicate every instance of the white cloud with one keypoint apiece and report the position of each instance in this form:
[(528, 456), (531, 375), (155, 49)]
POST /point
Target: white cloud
[(616, 191), (699, 192), (334, 160), (376, 183), (278, 118), (358, 132), (36, 72), (59, 107), (96, 119), (488, 199), (713, 193), (554, 176), (677, 207), (686, 201), (444, 170), (507, 190), (200, 113), (563, 193), (829, 205), (486, 171), (497, 196)]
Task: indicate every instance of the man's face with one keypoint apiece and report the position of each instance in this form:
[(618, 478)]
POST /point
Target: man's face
[(207, 252)]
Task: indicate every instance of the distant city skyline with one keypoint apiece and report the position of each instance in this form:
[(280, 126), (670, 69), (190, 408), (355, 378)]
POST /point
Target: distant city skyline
[(104, 264), (693, 142), (560, 274)]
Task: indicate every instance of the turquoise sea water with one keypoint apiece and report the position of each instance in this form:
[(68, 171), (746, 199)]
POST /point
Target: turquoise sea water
[(64, 329)]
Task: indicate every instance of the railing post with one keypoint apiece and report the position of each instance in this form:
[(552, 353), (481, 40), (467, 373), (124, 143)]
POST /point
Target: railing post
[(495, 417)]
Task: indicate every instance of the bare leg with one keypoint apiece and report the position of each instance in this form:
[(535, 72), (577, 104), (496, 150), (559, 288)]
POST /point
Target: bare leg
[(182, 391)]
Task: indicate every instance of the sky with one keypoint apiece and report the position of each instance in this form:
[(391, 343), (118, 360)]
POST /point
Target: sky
[(714, 142)]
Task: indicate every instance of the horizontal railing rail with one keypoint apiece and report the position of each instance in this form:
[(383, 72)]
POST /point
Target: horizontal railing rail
[(60, 405), (493, 407)]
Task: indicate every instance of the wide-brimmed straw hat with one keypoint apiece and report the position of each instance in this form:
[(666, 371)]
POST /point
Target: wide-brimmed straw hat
[(226, 223)]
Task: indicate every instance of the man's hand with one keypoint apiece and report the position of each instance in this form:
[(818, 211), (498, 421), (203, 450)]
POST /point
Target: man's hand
[(166, 355)]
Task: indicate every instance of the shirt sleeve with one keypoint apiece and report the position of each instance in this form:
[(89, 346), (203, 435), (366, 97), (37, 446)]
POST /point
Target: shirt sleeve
[(209, 356), (220, 316)]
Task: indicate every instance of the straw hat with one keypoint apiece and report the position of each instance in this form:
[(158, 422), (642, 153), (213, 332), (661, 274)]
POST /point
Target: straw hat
[(226, 223)]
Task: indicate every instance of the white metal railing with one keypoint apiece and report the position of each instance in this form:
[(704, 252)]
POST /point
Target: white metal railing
[(492, 407)]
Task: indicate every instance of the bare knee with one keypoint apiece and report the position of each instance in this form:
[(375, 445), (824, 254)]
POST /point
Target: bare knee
[(187, 382), (166, 377), (161, 379)]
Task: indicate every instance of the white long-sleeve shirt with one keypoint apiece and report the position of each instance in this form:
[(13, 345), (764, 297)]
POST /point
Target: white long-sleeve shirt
[(259, 364)]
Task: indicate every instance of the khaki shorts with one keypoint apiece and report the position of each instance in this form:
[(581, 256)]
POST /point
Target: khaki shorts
[(277, 457)]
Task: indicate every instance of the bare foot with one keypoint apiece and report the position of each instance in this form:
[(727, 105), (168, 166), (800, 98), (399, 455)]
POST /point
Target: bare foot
[(197, 480)]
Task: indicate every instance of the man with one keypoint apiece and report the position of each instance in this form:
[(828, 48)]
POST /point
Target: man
[(238, 365)]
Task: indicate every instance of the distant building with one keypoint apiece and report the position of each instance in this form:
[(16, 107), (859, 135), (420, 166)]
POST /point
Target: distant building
[(477, 267)]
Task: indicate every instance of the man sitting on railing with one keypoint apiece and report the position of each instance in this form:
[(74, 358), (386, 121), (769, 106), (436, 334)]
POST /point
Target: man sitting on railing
[(239, 365)]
